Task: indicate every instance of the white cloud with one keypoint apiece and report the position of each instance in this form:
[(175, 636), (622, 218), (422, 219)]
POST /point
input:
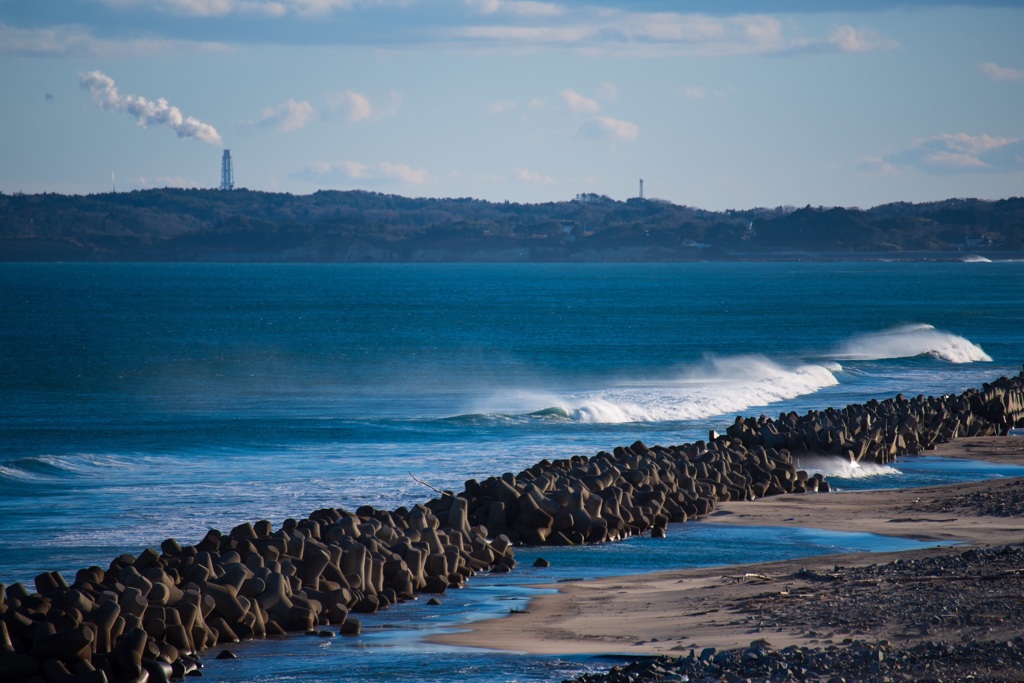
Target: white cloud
[(1000, 73), (526, 34), (200, 8), (642, 33), (537, 103), (954, 159), (607, 128), (849, 39), (314, 8), (962, 152), (694, 92), (497, 25), (620, 31), (975, 143), (528, 176), (578, 103), (407, 174), (527, 8), (522, 8), (879, 165), (75, 41), (356, 169), (381, 173), (288, 116), (105, 95), (222, 8), (484, 6), (672, 27), (356, 106), (762, 30)]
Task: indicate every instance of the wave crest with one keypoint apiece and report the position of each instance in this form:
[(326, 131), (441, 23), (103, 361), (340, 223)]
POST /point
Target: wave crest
[(44, 468), (909, 341), (724, 385), (833, 467)]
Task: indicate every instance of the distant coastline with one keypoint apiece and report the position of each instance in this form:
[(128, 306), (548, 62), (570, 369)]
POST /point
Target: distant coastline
[(172, 225)]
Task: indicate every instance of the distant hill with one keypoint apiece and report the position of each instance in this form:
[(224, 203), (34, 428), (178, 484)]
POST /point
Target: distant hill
[(356, 226)]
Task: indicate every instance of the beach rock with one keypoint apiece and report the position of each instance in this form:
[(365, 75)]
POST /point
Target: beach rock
[(351, 627)]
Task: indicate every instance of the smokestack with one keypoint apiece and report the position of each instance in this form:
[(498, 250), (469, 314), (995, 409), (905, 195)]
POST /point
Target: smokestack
[(227, 175), (105, 95)]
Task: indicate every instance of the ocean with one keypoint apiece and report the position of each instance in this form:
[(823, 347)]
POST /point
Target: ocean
[(145, 401)]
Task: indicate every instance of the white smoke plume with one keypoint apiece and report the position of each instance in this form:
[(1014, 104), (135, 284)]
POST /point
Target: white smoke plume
[(105, 95)]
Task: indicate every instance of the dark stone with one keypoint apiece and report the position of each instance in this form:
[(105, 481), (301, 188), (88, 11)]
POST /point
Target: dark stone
[(351, 627)]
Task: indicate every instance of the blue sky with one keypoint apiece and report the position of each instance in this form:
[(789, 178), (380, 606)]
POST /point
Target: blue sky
[(719, 105)]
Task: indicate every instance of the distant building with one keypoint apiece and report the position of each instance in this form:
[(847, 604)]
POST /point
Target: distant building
[(227, 174)]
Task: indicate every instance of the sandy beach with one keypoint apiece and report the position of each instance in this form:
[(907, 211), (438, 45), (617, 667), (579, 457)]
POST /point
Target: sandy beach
[(899, 598)]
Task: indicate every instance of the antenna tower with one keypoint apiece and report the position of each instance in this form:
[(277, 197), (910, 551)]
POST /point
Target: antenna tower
[(641, 188), (227, 175)]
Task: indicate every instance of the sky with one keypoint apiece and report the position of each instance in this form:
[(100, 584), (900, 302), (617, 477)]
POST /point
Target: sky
[(717, 104)]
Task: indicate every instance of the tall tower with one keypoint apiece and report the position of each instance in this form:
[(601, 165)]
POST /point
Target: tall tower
[(227, 176), (641, 188)]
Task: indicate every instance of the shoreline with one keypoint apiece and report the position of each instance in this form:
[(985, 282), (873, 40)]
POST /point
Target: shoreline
[(670, 613)]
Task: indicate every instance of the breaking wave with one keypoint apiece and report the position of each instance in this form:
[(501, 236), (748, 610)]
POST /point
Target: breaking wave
[(833, 467), (43, 468), (724, 385), (909, 341)]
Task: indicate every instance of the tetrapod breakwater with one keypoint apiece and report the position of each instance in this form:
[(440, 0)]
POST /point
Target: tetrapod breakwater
[(148, 617)]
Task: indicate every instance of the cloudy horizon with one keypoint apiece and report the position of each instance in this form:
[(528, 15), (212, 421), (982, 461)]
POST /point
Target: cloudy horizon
[(723, 105)]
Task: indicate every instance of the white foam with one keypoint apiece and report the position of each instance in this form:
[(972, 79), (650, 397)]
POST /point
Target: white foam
[(720, 386), (975, 258), (909, 341), (836, 467), (17, 474)]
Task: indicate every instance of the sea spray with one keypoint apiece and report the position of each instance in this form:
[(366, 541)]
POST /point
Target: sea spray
[(718, 386), (832, 467), (724, 385), (909, 341)]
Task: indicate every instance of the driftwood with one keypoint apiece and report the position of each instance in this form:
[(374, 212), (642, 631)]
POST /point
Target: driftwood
[(749, 576), (432, 488)]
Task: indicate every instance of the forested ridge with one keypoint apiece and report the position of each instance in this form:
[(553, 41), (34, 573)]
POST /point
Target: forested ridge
[(243, 225)]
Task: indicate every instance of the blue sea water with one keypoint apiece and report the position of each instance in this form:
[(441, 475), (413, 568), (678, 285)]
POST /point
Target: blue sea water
[(145, 401)]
